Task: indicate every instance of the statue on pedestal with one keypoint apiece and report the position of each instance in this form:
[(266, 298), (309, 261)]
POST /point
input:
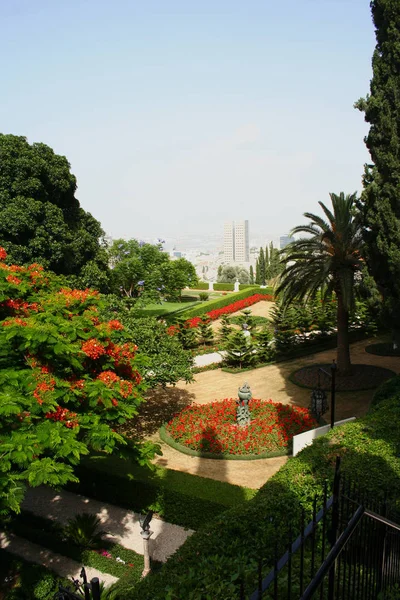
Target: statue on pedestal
[(243, 411)]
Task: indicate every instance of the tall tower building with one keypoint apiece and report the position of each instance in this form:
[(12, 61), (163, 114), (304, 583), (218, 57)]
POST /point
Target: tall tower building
[(236, 242)]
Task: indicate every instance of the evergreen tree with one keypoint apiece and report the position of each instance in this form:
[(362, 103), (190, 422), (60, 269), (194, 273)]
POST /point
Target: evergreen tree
[(186, 335), (219, 271), (261, 261), (257, 272), (225, 329), (205, 335), (251, 274), (267, 264), (275, 267), (239, 350), (380, 200), (263, 345)]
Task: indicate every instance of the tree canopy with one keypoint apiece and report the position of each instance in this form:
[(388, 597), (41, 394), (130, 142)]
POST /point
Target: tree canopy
[(145, 271), (380, 200), (229, 274), (326, 262), (41, 219)]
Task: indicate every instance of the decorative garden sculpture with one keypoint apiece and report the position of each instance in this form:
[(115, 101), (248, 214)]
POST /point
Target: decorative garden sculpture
[(243, 411)]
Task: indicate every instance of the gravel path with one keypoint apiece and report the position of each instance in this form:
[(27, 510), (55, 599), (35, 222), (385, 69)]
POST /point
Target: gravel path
[(65, 567), (121, 525)]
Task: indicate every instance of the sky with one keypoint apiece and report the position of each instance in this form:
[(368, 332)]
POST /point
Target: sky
[(179, 115)]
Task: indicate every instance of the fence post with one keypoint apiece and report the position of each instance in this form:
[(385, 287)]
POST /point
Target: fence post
[(95, 588), (335, 525)]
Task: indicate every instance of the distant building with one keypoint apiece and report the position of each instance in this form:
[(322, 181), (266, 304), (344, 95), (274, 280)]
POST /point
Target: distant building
[(236, 242), (285, 240)]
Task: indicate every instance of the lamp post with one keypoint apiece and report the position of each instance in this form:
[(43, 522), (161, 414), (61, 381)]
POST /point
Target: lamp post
[(146, 534), (333, 392)]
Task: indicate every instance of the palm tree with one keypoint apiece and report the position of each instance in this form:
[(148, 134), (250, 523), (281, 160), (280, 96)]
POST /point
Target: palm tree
[(326, 262)]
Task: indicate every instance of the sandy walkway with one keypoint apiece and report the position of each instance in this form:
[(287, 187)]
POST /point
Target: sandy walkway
[(270, 382)]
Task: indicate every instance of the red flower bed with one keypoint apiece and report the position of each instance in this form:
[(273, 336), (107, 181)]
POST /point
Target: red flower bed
[(212, 427), (225, 310)]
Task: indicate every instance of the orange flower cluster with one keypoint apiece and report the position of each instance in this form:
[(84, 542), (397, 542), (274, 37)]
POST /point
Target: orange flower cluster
[(3, 254), (126, 387), (13, 279), (115, 325), (42, 388), (77, 295), (19, 305), (93, 349), (108, 377), (15, 322), (64, 415), (121, 353)]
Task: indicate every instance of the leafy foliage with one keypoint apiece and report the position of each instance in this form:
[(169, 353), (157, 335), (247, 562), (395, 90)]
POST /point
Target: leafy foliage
[(65, 378), (144, 271), (229, 274), (40, 217), (83, 530), (380, 205), (326, 262)]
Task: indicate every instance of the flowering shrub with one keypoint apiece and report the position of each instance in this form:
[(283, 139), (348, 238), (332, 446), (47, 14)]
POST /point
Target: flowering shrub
[(65, 378), (212, 427)]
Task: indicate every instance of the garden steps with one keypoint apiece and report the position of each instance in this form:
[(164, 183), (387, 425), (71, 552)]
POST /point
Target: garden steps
[(63, 566), (122, 525)]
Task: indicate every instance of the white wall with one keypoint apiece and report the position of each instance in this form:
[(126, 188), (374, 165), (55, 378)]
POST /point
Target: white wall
[(306, 438)]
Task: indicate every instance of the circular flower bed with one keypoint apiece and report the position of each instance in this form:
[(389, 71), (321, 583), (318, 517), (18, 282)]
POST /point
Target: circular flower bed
[(211, 428)]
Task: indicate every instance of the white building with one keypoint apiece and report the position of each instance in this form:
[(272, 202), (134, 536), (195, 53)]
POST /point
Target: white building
[(236, 242)]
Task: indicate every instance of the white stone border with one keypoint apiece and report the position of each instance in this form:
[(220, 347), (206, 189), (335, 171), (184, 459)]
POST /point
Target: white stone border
[(306, 438)]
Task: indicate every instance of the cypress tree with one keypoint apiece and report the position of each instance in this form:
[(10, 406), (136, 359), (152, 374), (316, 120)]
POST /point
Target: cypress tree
[(251, 274), (257, 272), (267, 264), (380, 200), (261, 262)]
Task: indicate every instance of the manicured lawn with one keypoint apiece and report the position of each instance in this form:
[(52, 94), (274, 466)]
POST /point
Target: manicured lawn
[(165, 308)]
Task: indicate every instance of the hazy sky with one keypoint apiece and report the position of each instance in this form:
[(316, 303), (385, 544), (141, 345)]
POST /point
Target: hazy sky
[(178, 115)]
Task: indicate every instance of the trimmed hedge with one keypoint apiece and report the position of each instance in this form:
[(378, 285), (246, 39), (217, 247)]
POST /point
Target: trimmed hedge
[(212, 561), (205, 307), (180, 498)]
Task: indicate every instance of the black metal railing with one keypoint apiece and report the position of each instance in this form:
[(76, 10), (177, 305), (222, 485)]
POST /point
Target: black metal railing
[(81, 589), (350, 550)]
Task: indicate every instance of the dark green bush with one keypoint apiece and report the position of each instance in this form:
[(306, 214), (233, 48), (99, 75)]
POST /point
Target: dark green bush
[(206, 564), (203, 296)]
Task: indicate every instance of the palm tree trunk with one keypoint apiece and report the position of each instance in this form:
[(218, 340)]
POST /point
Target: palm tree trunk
[(343, 348)]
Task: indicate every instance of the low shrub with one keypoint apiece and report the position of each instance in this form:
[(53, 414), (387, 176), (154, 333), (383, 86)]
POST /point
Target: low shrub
[(205, 566), (84, 530), (203, 296)]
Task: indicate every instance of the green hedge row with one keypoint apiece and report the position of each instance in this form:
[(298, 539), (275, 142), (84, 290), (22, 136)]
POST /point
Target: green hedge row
[(212, 561), (225, 287), (205, 307), (180, 498)]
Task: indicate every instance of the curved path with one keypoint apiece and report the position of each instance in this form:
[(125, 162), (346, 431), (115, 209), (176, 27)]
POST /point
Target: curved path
[(270, 382)]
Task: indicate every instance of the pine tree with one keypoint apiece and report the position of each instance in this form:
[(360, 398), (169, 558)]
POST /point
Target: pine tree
[(205, 335), (263, 345), (267, 264), (186, 335), (239, 350), (261, 261), (219, 271), (380, 200), (257, 272), (275, 268), (251, 274), (225, 329)]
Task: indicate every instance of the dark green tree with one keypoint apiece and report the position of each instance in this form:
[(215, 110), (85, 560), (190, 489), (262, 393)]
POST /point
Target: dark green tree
[(326, 262), (263, 345), (257, 278), (239, 350), (41, 219), (261, 263), (380, 200), (205, 335), (219, 271), (275, 266), (267, 265), (186, 335), (251, 274), (225, 329)]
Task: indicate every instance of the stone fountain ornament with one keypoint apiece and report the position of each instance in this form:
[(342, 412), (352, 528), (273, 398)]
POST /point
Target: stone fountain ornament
[(243, 411)]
